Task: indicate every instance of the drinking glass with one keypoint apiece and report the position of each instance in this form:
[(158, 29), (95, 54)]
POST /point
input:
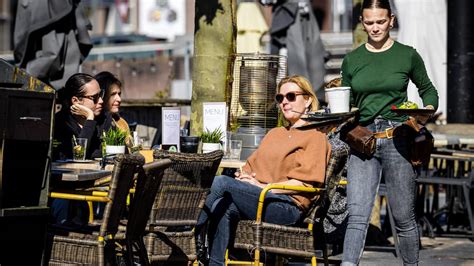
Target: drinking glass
[(227, 145), (235, 149), (79, 147)]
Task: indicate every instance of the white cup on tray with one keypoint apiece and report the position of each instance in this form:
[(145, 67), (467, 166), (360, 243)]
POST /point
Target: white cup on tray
[(338, 99)]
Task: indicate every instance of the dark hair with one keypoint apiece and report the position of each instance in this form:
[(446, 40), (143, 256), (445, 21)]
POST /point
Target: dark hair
[(384, 4), (74, 87), (106, 80)]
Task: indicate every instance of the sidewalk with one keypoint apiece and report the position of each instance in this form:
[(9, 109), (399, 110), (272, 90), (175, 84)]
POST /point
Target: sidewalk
[(437, 251)]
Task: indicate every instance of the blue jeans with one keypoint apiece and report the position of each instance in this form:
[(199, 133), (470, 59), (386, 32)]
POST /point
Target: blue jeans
[(231, 200), (391, 160)]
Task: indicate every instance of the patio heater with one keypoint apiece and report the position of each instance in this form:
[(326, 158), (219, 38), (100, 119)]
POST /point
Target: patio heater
[(252, 107)]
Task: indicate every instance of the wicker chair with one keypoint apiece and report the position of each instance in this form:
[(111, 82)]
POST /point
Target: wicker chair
[(145, 192), (92, 245), (177, 206), (293, 241)]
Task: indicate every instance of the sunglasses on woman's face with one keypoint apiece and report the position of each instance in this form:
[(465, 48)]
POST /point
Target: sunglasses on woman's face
[(95, 98), (290, 96)]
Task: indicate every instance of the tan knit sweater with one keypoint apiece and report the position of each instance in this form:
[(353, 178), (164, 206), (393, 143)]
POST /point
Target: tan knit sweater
[(290, 153)]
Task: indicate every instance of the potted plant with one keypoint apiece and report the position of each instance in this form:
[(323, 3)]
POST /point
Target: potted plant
[(114, 140), (211, 140)]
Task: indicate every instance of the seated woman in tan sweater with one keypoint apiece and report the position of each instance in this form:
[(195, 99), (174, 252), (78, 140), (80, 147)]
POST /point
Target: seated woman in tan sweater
[(286, 155)]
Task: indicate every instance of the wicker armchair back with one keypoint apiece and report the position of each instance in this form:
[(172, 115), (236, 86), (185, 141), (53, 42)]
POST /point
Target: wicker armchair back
[(86, 246), (178, 203), (184, 187), (125, 168), (148, 182), (335, 172)]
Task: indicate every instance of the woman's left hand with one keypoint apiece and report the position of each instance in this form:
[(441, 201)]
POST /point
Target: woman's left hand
[(253, 181)]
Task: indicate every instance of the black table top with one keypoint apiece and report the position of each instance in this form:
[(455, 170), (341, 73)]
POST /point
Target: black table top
[(67, 174)]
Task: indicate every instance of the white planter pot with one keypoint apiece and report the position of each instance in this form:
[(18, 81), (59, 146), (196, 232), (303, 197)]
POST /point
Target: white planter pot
[(208, 147), (110, 149)]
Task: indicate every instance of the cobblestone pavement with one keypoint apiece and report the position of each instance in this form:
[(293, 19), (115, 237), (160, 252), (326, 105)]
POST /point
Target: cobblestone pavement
[(437, 251)]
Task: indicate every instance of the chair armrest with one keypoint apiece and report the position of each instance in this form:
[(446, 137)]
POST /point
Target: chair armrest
[(103, 180), (269, 187), (72, 196)]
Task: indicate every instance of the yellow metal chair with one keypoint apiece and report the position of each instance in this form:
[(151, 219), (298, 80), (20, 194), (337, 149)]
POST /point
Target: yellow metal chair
[(96, 191), (85, 246), (95, 245), (293, 241)]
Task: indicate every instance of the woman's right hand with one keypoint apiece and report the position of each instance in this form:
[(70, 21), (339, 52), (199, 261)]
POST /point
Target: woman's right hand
[(240, 175), (83, 111), (248, 178)]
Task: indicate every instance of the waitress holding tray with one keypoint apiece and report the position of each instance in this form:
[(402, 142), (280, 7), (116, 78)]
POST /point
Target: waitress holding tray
[(378, 73)]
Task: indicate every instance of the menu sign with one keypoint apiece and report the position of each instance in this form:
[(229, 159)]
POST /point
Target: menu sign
[(215, 116), (170, 125)]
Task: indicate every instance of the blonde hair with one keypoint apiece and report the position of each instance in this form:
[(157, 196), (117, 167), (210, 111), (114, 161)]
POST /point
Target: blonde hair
[(305, 86)]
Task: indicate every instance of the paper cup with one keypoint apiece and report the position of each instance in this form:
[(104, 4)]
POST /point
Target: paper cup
[(338, 99)]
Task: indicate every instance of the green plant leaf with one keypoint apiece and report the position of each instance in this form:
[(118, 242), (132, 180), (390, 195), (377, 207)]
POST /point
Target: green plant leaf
[(212, 136), (114, 137)]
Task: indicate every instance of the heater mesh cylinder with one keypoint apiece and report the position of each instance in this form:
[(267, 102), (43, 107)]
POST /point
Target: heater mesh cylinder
[(252, 105)]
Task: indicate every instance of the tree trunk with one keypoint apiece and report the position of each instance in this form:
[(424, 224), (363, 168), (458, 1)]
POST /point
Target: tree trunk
[(214, 44), (359, 36)]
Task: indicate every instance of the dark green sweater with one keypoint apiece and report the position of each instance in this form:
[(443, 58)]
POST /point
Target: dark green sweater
[(380, 80)]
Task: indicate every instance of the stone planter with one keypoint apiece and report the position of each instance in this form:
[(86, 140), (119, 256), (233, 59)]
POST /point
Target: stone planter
[(111, 149), (208, 147)]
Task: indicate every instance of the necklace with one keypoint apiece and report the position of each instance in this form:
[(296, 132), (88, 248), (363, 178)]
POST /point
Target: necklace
[(384, 47)]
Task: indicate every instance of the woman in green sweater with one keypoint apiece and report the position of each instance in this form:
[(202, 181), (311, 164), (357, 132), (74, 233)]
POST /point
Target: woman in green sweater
[(378, 73)]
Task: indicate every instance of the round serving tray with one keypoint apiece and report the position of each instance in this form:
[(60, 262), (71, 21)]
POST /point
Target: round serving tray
[(421, 115), (321, 116), (414, 112)]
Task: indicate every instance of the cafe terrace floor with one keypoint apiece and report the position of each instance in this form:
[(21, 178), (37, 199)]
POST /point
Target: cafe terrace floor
[(437, 251)]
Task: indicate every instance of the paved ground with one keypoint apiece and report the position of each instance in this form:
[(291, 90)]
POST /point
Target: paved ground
[(438, 251)]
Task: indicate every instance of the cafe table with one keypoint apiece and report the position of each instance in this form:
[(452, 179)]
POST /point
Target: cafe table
[(86, 164), (68, 174), (452, 135), (88, 170), (80, 181), (231, 163), (453, 170), (447, 140)]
